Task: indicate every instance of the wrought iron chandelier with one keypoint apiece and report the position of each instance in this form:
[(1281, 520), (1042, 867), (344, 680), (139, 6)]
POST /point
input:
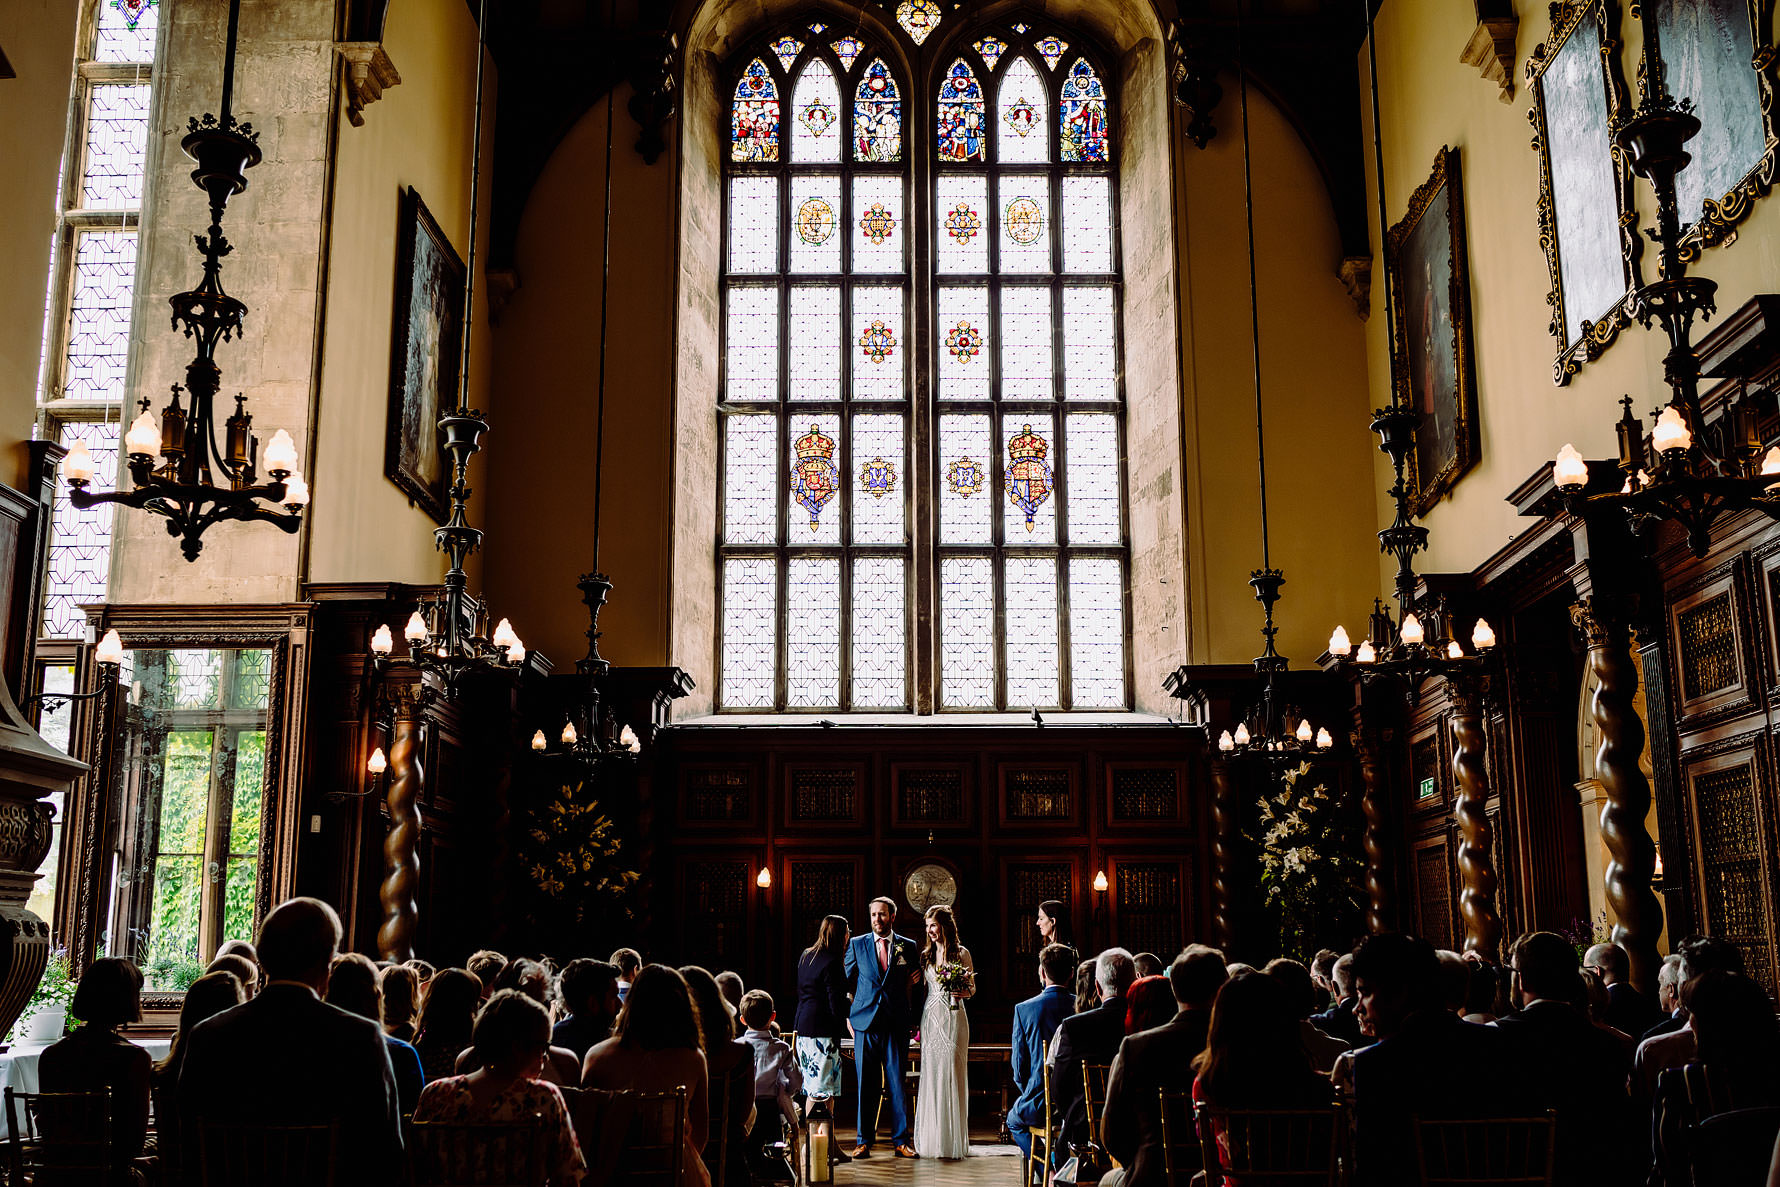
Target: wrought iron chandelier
[(171, 463), (1690, 473)]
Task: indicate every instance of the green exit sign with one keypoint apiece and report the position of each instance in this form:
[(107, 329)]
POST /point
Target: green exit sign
[(1429, 788)]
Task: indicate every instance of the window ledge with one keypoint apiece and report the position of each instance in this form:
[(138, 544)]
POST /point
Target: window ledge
[(1057, 718)]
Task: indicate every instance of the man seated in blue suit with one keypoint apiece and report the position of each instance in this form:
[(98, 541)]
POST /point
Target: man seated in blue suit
[(1035, 1020), (883, 968)]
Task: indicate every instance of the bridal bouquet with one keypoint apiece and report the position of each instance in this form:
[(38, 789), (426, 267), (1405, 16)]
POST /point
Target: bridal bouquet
[(955, 980)]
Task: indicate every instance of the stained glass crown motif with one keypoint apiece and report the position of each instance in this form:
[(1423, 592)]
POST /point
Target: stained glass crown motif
[(1027, 444), (815, 443)]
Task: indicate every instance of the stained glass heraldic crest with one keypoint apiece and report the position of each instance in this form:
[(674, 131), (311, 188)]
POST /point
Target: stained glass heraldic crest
[(987, 434)]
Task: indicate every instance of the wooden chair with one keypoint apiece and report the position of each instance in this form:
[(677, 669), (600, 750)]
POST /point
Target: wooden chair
[(631, 1139), (1094, 1096), (1498, 1151), (1181, 1158), (1038, 1166), (446, 1154), (1734, 1146), (1271, 1147), (717, 1144), (60, 1139), (234, 1155)]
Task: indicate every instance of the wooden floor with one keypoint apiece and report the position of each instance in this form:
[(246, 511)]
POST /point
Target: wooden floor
[(990, 1164)]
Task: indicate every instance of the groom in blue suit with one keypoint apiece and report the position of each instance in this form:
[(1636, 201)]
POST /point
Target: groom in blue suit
[(1035, 1020), (883, 967)]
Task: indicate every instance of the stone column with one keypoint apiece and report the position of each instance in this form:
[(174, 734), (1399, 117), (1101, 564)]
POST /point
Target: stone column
[(401, 846), (1477, 871), (1224, 832), (1631, 854), (1381, 911)]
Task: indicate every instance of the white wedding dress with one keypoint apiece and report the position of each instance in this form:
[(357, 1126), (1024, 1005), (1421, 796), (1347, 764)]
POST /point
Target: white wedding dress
[(942, 1127)]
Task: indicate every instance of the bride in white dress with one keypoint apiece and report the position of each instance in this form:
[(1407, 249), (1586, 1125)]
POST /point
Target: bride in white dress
[(942, 1128)]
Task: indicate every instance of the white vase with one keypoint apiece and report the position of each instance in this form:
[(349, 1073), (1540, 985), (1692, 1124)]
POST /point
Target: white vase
[(47, 1024)]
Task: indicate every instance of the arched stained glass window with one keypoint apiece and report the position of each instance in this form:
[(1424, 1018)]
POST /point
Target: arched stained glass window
[(961, 132), (754, 122), (877, 116)]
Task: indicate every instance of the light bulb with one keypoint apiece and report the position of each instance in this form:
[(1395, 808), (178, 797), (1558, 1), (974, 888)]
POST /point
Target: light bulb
[(1453, 650), (628, 739), (1770, 461), (1627, 488), (568, 734), (1366, 654), (503, 634), (415, 631), (1570, 472), (538, 742), (1411, 630), (296, 491), (1671, 432), (78, 465), (382, 643), (1100, 881), (1242, 733), (1324, 739), (516, 653), (1482, 637), (110, 649), (378, 763), (1225, 742), (281, 454), (764, 879), (1304, 734), (144, 437), (1339, 643)]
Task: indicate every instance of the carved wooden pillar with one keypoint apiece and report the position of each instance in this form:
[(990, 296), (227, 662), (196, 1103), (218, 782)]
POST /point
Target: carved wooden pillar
[(1224, 830), (1631, 863), (398, 893), (1477, 872), (1381, 911)]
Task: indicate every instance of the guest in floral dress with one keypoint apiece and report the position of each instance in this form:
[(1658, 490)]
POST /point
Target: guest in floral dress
[(511, 1038), (821, 1011)]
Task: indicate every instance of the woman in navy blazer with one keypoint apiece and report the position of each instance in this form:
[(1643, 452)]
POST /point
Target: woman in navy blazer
[(821, 1018)]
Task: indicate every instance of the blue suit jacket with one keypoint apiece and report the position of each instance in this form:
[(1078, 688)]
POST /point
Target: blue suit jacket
[(881, 998), (1035, 1020)]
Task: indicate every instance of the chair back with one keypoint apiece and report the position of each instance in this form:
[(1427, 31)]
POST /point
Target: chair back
[(717, 1152), (497, 1154), (1734, 1146), (1181, 1159), (254, 1155), (1271, 1147), (61, 1139), (1094, 1095), (631, 1139), (1493, 1151)]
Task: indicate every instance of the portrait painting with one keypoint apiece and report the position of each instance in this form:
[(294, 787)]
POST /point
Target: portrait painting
[(425, 339), (1431, 360)]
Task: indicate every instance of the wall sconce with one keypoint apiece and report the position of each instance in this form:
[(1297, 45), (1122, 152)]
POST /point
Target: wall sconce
[(1099, 899), (1100, 882), (538, 742), (764, 879), (377, 764), (109, 655)]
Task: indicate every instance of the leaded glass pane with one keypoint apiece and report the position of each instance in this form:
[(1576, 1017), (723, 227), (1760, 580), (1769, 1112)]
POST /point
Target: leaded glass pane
[(963, 347), (877, 115), (1028, 451), (880, 466), (126, 31), (918, 18), (753, 223), (813, 632), (1081, 115), (1026, 344), (750, 615), (1022, 133), (1031, 598), (80, 541), (991, 48), (99, 315), (966, 498), (1087, 224), (846, 49), (816, 115), (815, 465), (751, 353), (193, 678), (750, 480), (1090, 354), (1025, 224), (786, 50), (1093, 478), (815, 217), (754, 118), (960, 212), (967, 632), (880, 633), (880, 224), (962, 135), (878, 344), (1050, 49), (117, 136), (1096, 631), (814, 362)]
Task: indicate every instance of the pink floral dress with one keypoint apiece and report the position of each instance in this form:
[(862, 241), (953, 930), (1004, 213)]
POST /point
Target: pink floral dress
[(450, 1100)]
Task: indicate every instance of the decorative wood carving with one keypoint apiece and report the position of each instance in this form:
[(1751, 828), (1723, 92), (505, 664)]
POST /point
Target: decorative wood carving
[(399, 892), (1355, 274), (1735, 899), (1225, 832), (1380, 910), (1433, 892), (1147, 897), (1143, 794), (1470, 772)]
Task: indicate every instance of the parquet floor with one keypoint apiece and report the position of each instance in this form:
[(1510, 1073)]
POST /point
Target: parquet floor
[(990, 1165)]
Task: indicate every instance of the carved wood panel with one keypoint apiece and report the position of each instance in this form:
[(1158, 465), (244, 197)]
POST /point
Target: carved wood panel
[(1706, 626), (1024, 885), (1429, 772), (929, 796), (1433, 892), (1144, 794), (714, 929), (1736, 894), (1151, 902), (1039, 794), (718, 795), (824, 794), (816, 887)]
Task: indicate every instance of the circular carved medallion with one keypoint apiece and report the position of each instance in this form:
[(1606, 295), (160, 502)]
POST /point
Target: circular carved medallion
[(930, 885)]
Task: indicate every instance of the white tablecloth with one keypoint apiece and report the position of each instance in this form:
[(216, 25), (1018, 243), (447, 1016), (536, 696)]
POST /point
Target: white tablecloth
[(18, 1069)]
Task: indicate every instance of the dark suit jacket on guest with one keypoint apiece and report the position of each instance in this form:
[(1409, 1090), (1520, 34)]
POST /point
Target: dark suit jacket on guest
[(1147, 1063), (1667, 1026), (1435, 1066), (1093, 1036), (1630, 1011), (821, 996), (1341, 1022), (1565, 1062), (287, 1057), (1035, 1020)]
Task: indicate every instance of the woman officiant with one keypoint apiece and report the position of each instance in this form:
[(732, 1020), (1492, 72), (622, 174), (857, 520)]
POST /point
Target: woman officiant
[(821, 1017)]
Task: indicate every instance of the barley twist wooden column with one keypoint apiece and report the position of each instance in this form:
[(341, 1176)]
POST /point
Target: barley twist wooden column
[(398, 893), (1381, 911), (1477, 871), (1631, 863), (1223, 854)]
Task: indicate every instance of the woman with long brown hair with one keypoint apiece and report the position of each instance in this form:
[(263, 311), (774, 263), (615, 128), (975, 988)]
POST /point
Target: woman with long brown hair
[(820, 1019), (941, 1125), (1254, 1055)]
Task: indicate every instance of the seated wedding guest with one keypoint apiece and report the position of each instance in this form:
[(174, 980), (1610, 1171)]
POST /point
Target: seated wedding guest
[(776, 1080), (821, 1016), (401, 1001), (1341, 1020), (511, 1037), (1425, 1062), (1254, 1057), (1668, 998), (590, 993), (1322, 965), (1737, 1040), (1565, 1062), (1157, 1060), (1035, 1020), (244, 970), (486, 965), (423, 971), (1087, 993), (655, 1048), (628, 962), (1090, 1037), (247, 952), (531, 978), (208, 996), (1147, 964), (1483, 993), (447, 1016), (95, 1056), (733, 990), (1627, 1009), (1053, 924), (1148, 1003), (289, 1055), (353, 986), (1699, 955), (1294, 978), (729, 1065)]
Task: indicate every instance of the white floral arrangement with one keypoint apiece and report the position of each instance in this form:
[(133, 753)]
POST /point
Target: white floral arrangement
[(1309, 863)]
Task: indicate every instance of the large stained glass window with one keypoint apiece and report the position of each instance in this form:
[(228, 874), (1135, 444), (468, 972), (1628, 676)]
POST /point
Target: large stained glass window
[(1009, 384)]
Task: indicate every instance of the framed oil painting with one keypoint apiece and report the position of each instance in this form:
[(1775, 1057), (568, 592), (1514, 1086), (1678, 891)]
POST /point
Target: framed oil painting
[(1431, 358), (1709, 53), (1587, 220), (425, 342)]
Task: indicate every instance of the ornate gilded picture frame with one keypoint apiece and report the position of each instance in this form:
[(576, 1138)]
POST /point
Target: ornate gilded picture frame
[(1587, 216), (1720, 56), (1431, 366), (425, 340)]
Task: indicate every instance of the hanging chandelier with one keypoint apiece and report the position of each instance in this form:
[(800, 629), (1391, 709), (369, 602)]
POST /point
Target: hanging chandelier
[(171, 464), (1685, 471)]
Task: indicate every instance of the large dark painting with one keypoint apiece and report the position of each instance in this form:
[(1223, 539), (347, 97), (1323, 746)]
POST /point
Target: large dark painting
[(1584, 185), (429, 305), (1708, 51), (1431, 360)]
